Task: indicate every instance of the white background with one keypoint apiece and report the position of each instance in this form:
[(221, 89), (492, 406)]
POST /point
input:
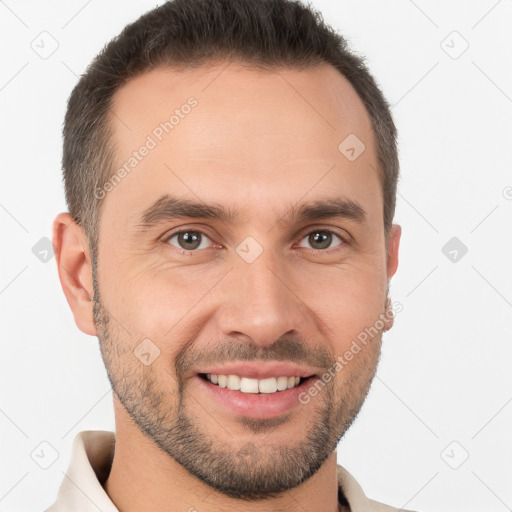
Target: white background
[(445, 370)]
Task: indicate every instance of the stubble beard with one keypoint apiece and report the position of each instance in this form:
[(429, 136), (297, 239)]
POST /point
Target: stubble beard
[(258, 469)]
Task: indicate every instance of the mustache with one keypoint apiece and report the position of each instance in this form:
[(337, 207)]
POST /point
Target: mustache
[(284, 349)]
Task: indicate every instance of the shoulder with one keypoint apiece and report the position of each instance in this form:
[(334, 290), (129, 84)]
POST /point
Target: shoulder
[(353, 498)]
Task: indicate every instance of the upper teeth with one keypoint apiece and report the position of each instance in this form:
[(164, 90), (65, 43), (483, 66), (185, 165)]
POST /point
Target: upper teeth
[(246, 385)]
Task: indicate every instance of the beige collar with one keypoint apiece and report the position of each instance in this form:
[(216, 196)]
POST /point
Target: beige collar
[(91, 458)]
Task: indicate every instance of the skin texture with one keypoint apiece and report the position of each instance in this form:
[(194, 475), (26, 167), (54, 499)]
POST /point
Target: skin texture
[(257, 142)]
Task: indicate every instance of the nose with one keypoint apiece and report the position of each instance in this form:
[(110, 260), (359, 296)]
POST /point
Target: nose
[(259, 301)]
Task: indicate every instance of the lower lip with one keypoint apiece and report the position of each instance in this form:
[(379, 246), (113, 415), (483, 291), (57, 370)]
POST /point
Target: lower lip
[(256, 405)]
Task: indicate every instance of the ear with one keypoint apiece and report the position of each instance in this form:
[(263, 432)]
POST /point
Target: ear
[(75, 270), (392, 265), (392, 249)]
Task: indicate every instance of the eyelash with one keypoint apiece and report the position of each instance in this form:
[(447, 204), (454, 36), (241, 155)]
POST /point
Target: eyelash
[(342, 243)]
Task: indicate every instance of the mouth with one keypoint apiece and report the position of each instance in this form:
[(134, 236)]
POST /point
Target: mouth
[(249, 385), (251, 397)]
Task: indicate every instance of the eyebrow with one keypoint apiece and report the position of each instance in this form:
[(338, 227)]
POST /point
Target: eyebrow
[(168, 208)]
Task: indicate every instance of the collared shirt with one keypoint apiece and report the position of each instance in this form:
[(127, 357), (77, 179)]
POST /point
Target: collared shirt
[(92, 453)]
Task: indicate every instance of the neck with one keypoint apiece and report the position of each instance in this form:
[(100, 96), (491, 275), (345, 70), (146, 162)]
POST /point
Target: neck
[(144, 478)]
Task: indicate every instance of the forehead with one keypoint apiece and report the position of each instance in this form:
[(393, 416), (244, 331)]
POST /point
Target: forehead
[(233, 95), (240, 135)]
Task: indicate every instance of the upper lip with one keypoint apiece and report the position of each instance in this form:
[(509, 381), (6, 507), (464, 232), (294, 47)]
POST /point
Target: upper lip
[(259, 370)]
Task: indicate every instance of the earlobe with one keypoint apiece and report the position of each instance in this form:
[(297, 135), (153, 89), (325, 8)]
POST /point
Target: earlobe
[(389, 317), (75, 270)]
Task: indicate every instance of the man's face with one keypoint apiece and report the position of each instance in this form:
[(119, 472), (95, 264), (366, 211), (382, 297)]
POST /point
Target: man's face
[(259, 292)]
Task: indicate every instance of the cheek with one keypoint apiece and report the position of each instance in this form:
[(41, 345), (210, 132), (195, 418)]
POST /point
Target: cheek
[(155, 301), (347, 301), (168, 303)]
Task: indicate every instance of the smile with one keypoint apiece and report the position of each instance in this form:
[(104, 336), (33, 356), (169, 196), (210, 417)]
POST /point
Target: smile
[(255, 386)]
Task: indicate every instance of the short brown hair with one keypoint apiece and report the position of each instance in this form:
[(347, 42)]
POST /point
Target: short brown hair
[(184, 34)]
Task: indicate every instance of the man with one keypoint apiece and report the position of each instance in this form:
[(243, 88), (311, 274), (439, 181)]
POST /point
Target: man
[(230, 170)]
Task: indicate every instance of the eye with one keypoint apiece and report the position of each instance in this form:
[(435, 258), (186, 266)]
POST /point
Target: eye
[(189, 240), (321, 239), (193, 240)]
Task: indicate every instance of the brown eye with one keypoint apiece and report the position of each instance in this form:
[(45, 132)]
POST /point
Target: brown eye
[(189, 240), (321, 239)]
